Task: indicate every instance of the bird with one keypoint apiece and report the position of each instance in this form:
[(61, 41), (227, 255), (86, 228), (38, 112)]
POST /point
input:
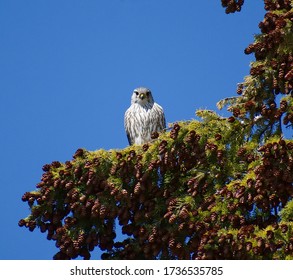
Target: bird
[(143, 117)]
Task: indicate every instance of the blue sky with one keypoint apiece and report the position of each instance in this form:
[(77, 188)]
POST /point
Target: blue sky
[(67, 71)]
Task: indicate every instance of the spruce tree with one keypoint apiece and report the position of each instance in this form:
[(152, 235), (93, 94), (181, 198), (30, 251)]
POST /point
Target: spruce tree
[(214, 188)]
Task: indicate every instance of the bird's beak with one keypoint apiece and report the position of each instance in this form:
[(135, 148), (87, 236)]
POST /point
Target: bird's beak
[(142, 96)]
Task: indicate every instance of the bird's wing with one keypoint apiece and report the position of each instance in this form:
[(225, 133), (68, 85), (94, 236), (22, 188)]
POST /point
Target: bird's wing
[(160, 117), (163, 121), (126, 126), (129, 139)]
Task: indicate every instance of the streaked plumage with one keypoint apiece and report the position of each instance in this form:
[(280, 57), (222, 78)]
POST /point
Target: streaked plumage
[(143, 117)]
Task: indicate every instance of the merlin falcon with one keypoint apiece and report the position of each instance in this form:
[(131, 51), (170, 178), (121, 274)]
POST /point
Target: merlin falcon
[(143, 117)]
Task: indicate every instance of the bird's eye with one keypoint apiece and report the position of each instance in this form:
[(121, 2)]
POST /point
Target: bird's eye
[(148, 93), (136, 93)]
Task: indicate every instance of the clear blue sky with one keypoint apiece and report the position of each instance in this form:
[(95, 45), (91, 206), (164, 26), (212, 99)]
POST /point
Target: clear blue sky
[(67, 71)]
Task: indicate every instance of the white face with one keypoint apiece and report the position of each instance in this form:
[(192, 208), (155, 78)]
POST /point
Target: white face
[(142, 96)]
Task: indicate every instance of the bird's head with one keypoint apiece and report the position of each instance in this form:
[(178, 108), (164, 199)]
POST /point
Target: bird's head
[(142, 96)]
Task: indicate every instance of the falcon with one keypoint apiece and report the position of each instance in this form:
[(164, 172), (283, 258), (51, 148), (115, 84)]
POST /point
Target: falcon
[(143, 117)]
